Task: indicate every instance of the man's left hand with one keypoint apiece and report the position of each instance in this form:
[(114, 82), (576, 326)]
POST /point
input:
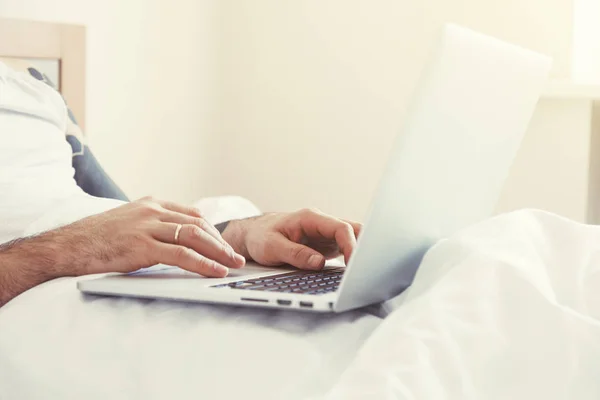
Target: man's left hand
[(304, 239)]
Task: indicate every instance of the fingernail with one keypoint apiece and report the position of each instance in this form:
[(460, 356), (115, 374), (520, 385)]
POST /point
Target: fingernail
[(221, 270), (315, 261)]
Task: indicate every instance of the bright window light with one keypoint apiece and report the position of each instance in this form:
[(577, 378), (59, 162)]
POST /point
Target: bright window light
[(586, 41)]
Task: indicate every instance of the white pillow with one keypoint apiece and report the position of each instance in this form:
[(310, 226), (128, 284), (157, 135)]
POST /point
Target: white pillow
[(35, 159)]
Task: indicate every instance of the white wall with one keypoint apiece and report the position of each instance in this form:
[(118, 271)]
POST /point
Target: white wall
[(315, 89), (150, 88), (289, 103)]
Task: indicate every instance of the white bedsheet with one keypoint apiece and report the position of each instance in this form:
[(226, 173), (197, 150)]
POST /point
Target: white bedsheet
[(507, 309), (57, 344)]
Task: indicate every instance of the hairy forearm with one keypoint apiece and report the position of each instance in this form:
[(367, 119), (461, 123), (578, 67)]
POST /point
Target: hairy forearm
[(28, 262)]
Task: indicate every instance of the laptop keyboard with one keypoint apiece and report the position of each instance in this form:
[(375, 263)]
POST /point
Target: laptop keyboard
[(300, 282)]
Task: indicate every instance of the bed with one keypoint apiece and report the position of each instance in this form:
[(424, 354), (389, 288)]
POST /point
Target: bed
[(508, 308)]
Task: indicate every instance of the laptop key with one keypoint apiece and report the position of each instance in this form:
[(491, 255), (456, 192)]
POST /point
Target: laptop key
[(295, 282)]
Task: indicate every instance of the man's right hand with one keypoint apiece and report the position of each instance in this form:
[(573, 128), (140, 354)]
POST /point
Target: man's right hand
[(141, 234)]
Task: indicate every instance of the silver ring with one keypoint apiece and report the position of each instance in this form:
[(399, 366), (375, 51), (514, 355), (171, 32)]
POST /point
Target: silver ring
[(177, 230)]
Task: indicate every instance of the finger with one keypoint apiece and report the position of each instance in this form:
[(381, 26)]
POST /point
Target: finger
[(317, 224), (180, 208), (187, 259), (178, 217), (188, 210), (356, 226), (200, 241), (298, 255), (192, 212)]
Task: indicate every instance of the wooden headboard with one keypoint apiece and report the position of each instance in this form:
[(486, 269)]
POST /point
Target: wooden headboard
[(43, 40)]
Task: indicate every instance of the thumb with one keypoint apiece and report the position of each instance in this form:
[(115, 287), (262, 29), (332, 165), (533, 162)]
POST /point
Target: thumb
[(298, 255)]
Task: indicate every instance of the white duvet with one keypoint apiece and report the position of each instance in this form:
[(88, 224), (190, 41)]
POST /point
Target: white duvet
[(507, 309)]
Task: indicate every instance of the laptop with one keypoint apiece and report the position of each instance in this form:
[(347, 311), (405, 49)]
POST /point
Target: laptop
[(445, 172)]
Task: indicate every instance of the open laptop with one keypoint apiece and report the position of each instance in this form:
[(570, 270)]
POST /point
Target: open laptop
[(445, 172)]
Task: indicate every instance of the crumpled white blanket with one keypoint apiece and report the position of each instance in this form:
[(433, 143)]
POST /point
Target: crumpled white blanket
[(506, 309)]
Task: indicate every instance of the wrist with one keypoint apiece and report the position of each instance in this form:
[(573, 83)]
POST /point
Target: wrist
[(66, 247), (235, 234)]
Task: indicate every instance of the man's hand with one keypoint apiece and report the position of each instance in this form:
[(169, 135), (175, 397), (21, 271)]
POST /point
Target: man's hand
[(143, 233), (133, 236), (304, 239)]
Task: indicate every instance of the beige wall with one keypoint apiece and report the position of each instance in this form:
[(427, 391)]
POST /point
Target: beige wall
[(315, 90), (289, 103), (150, 88), (552, 168)]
